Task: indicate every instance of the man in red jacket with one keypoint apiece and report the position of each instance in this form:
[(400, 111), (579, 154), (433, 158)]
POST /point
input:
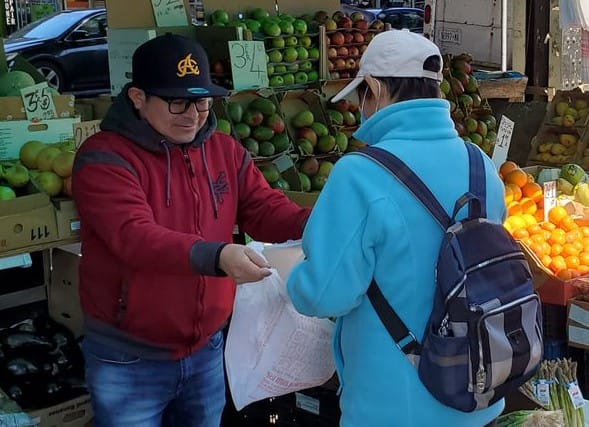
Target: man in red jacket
[(159, 192)]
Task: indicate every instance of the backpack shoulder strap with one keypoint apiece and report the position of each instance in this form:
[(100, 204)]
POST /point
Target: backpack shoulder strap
[(410, 180), (477, 182)]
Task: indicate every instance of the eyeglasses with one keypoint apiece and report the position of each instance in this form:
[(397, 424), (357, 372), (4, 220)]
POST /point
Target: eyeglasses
[(181, 105)]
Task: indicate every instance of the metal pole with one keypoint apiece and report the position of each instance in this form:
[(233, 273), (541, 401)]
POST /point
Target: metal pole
[(504, 35)]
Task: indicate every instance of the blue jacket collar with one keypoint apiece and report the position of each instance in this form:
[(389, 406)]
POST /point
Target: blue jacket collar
[(417, 119)]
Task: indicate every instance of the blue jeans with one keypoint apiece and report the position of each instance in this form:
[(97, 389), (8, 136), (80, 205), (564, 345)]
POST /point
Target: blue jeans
[(130, 392)]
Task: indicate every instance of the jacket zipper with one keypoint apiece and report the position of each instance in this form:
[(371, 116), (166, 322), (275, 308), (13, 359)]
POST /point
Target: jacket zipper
[(200, 289)]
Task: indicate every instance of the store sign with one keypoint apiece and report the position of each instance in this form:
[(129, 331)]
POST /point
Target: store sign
[(502, 141), (169, 13), (84, 130), (10, 13), (248, 64), (549, 197), (38, 102)]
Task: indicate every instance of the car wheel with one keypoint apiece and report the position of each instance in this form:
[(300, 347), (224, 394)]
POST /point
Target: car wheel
[(52, 74)]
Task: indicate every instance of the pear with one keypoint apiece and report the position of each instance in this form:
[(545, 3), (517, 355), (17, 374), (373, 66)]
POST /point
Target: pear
[(16, 176)]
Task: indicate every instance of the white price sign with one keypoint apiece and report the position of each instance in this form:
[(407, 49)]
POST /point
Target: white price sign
[(576, 395), (38, 102), (502, 141), (549, 197)]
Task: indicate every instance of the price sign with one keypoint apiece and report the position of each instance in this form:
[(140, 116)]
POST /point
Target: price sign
[(84, 130), (543, 392), (169, 13), (576, 395), (502, 141), (38, 102), (248, 64), (549, 197)]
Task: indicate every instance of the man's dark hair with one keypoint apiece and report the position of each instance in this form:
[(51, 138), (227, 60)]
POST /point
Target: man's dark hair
[(406, 88)]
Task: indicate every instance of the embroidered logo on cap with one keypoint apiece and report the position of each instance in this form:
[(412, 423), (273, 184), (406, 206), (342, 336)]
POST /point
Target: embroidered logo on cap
[(188, 66)]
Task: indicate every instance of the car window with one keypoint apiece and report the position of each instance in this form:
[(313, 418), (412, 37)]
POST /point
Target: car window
[(48, 27), (407, 19), (94, 27)]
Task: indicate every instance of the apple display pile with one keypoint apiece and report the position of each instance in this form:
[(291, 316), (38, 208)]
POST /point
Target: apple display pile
[(348, 38)]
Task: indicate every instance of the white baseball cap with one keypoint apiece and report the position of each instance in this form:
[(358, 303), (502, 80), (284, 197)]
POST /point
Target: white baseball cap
[(395, 53)]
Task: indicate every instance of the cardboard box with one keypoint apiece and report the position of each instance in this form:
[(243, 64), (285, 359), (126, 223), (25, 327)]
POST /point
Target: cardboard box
[(134, 14), (331, 88), (27, 221), (550, 135), (14, 134), (578, 323), (68, 219), (12, 107), (71, 413), (122, 42), (234, 7), (569, 96), (300, 7), (63, 293)]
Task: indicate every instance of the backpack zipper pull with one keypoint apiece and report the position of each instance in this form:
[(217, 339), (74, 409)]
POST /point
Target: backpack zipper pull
[(481, 379)]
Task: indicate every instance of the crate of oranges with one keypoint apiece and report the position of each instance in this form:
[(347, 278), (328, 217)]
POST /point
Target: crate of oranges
[(557, 249)]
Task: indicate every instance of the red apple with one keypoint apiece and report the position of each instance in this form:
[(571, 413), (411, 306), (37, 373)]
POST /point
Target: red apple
[(339, 64), (361, 25), (377, 25), (358, 38), (363, 48), (353, 51), (308, 134), (337, 38), (353, 108), (331, 52), (368, 37), (348, 37), (342, 51), (330, 65), (342, 105), (345, 22)]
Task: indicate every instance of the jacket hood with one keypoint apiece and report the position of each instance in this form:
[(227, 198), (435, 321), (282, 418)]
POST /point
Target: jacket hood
[(123, 119)]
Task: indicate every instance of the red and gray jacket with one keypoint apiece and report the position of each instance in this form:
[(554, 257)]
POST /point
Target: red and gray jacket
[(155, 217)]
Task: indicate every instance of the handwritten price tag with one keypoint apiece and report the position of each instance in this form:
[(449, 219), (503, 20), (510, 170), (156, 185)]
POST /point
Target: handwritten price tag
[(169, 13), (38, 102), (502, 141), (549, 197), (84, 130), (248, 64)]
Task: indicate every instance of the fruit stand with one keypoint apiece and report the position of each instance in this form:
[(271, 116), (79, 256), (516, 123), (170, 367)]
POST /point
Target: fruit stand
[(295, 136)]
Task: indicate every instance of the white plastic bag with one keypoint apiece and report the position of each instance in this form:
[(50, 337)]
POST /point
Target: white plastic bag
[(272, 349)]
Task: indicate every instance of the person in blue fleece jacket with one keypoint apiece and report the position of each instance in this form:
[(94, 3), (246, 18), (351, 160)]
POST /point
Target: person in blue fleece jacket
[(366, 224)]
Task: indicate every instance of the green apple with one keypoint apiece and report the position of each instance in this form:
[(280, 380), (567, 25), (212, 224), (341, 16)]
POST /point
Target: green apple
[(290, 54), (276, 81), (306, 66), (275, 56), (291, 41), (302, 53), (313, 53), (305, 41), (289, 79), (278, 42), (301, 78)]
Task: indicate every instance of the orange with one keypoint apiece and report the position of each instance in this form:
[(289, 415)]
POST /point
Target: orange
[(540, 203), (558, 263), (573, 236), (564, 274), (557, 214), (534, 229), (584, 231), (570, 249), (548, 226), (529, 219), (526, 241), (515, 190), (546, 260), (572, 262), (508, 195), (517, 177), (538, 238), (531, 178), (514, 208), (516, 222), (537, 248), (528, 205), (520, 233), (546, 247), (568, 224), (579, 245), (533, 191), (555, 249), (584, 258), (558, 237), (546, 234), (583, 269), (507, 167), (539, 215)]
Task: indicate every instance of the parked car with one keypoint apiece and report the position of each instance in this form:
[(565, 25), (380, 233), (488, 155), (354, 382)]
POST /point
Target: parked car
[(403, 18), (69, 48)]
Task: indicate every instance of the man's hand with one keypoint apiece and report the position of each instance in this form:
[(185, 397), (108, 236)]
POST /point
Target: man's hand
[(243, 264)]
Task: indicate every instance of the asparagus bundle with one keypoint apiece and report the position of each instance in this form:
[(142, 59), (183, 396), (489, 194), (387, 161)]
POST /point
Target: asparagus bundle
[(555, 388)]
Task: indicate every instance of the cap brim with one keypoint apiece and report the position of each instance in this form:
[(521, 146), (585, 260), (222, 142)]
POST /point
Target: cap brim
[(350, 87), (195, 92)]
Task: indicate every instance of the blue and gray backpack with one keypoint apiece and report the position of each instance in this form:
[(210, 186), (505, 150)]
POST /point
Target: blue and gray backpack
[(484, 335)]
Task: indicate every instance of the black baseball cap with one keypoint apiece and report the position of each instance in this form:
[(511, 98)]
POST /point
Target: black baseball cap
[(174, 66)]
